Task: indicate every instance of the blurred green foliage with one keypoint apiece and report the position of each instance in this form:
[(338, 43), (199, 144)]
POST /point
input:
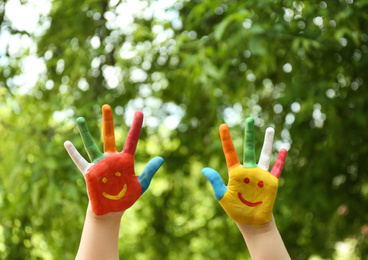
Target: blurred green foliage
[(299, 66)]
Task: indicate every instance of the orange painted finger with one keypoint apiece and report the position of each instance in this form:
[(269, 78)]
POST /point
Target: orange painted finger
[(228, 147), (108, 130)]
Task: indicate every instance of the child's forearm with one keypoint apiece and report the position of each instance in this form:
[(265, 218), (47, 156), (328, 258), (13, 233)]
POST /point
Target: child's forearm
[(113, 172), (100, 236), (264, 243)]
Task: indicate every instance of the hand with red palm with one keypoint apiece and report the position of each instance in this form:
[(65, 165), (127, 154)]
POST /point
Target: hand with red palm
[(111, 181)]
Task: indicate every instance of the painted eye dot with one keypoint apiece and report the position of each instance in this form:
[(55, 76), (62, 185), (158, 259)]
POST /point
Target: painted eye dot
[(260, 184), (104, 180), (246, 180), (117, 173)]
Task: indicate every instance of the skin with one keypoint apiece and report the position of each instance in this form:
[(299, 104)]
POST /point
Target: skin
[(111, 184), (249, 197), (265, 242), (100, 236)]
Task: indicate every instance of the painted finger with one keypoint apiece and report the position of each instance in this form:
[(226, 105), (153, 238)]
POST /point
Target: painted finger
[(91, 148), (78, 159), (279, 164), (134, 133), (217, 184), (149, 171), (249, 154), (227, 145), (266, 153), (108, 130)]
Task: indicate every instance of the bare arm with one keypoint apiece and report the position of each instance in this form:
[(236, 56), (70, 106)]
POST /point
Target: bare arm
[(264, 243), (112, 185), (251, 192), (100, 236)]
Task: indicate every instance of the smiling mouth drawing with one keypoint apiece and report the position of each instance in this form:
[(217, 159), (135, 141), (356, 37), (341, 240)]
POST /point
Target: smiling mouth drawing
[(248, 203), (116, 197)]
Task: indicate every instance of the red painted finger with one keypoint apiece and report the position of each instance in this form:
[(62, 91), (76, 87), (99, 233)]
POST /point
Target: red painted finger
[(279, 164), (134, 133)]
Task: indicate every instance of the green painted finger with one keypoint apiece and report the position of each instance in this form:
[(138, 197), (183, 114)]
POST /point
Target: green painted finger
[(249, 154), (93, 152)]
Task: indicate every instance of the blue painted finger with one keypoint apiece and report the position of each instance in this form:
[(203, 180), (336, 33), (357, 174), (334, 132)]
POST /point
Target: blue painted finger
[(151, 168), (217, 184)]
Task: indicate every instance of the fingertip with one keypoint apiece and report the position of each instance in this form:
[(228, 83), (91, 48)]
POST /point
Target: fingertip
[(224, 127), (68, 146), (224, 130), (283, 152), (214, 178), (106, 113), (207, 173), (134, 133), (138, 114), (270, 131), (138, 118), (207, 170), (106, 108), (249, 122), (160, 159), (279, 164), (80, 120)]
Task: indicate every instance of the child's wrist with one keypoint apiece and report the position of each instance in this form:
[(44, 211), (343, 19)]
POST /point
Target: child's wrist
[(249, 229), (112, 216)]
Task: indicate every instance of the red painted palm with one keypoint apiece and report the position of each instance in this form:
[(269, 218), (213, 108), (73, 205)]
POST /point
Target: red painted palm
[(111, 181)]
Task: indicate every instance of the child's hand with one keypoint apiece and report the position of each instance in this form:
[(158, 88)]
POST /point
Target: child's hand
[(111, 182), (251, 191)]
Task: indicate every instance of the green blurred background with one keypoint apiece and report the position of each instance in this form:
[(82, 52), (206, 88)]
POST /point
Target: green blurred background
[(298, 66)]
